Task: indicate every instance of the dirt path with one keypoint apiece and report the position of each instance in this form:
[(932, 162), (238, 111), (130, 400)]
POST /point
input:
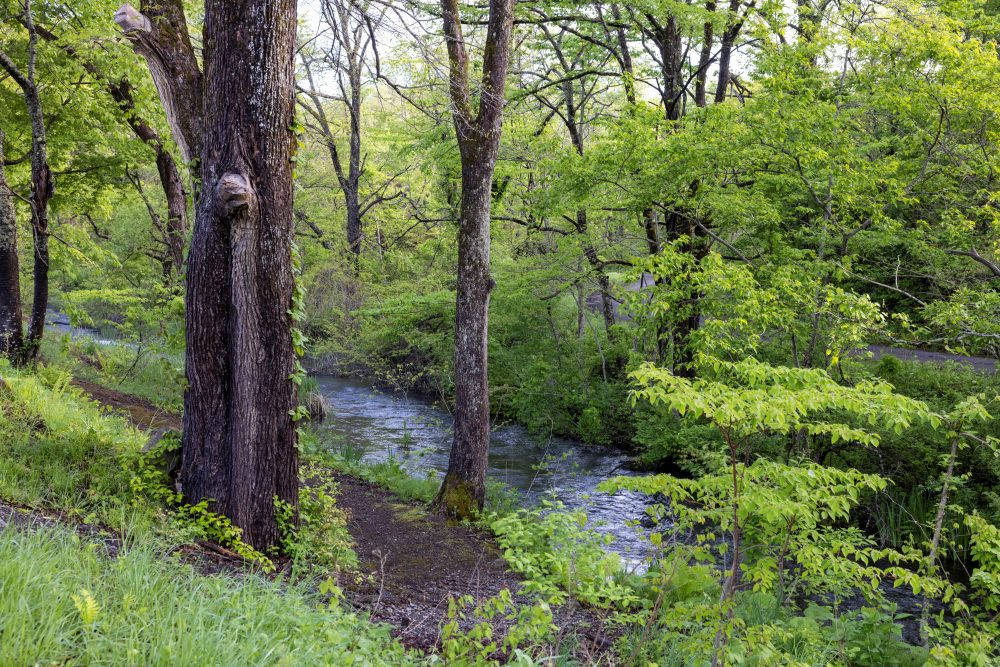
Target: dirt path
[(412, 561), (30, 518), (416, 561), (139, 411)]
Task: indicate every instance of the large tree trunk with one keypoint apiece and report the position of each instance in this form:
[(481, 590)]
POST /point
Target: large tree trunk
[(725, 56), (239, 438), (11, 336), (667, 38), (464, 488)]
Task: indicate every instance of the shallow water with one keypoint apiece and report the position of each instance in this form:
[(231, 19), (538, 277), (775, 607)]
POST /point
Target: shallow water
[(379, 425)]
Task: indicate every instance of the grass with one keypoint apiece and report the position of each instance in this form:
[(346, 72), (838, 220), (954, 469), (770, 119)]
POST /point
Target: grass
[(148, 372), (63, 602), (60, 451)]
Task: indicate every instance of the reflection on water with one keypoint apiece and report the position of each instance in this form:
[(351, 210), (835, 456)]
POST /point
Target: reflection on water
[(418, 434)]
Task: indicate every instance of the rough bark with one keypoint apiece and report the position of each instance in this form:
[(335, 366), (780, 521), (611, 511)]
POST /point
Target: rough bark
[(667, 38), (464, 487), (160, 35), (239, 438), (11, 335), (42, 186), (725, 56)]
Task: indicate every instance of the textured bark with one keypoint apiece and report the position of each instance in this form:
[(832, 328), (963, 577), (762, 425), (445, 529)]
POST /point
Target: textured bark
[(160, 35), (725, 56), (41, 187), (667, 38), (464, 488), (239, 439), (704, 59), (11, 335)]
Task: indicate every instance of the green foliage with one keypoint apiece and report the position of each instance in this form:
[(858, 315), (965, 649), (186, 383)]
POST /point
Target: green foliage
[(559, 556), (530, 629), (63, 601), (321, 539), (150, 482), (60, 452)]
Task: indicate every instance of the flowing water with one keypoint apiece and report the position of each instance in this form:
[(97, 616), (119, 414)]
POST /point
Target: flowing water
[(379, 425)]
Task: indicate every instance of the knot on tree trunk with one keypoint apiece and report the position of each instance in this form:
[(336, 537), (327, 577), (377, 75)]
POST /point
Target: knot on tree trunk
[(131, 19), (234, 192)]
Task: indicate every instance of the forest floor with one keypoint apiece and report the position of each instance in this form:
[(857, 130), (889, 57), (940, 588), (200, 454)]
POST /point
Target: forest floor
[(412, 560)]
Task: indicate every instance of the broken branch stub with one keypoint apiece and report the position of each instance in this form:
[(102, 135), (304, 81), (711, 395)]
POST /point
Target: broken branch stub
[(234, 192), (130, 19)]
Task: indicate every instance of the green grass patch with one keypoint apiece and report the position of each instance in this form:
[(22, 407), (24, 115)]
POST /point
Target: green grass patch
[(62, 602)]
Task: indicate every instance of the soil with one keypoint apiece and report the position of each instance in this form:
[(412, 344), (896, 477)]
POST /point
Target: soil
[(412, 561), (139, 411)]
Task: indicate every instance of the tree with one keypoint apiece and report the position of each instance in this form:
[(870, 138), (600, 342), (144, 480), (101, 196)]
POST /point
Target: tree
[(122, 92), (41, 186), (11, 336), (351, 37), (464, 488), (238, 447)]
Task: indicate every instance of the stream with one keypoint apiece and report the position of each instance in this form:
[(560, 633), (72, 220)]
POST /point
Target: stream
[(373, 426), (377, 426)]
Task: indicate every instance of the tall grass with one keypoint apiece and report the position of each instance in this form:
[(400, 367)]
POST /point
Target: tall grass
[(62, 602)]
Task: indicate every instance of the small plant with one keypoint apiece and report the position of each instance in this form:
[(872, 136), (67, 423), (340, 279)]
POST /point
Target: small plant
[(468, 636), (321, 539), (559, 556), (150, 481)]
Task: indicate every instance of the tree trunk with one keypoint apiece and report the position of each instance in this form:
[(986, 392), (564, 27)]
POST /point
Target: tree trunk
[(463, 490), (704, 59), (173, 190), (668, 42), (354, 230), (239, 438), (725, 55), (464, 487), (11, 336), (160, 35)]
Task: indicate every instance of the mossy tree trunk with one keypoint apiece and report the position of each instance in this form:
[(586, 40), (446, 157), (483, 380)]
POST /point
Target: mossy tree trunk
[(11, 334), (239, 437), (464, 488)]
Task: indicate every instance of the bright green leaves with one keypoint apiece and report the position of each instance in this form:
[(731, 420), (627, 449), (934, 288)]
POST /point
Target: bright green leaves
[(749, 396)]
